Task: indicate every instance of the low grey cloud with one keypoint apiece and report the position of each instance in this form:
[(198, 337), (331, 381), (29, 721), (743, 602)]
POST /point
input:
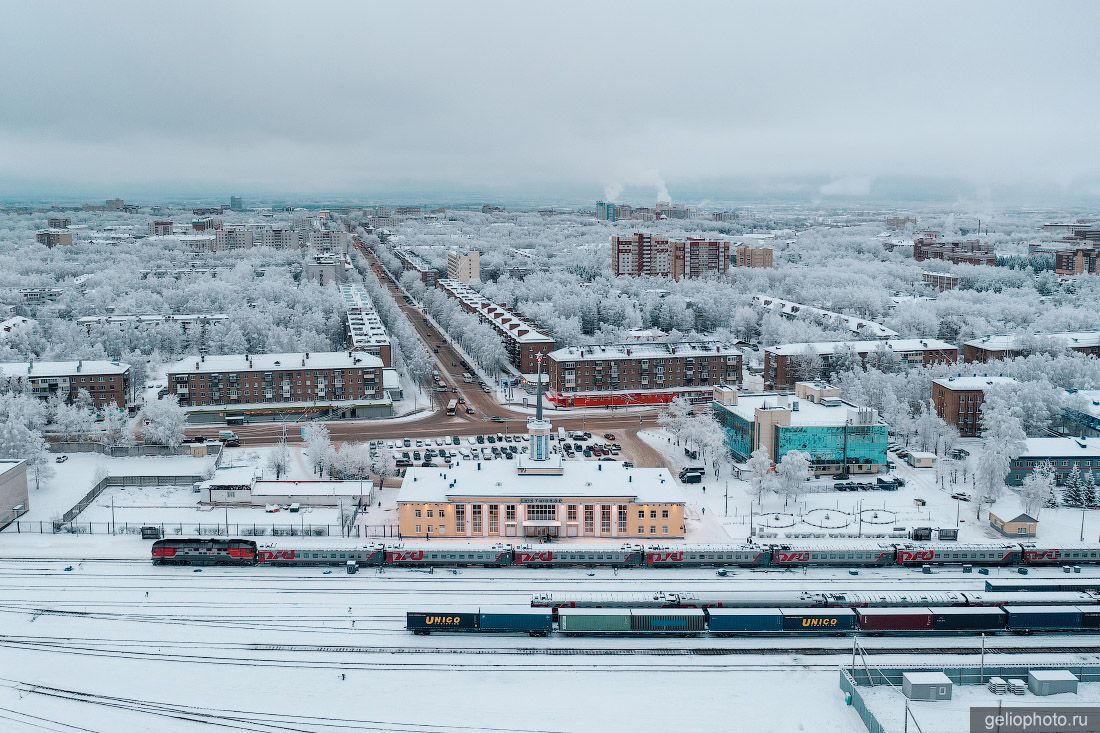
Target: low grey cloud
[(336, 96)]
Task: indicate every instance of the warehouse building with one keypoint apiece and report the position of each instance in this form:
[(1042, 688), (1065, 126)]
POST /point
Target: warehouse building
[(835, 434), (782, 367), (1063, 454), (108, 382), (14, 499), (640, 373), (992, 348), (958, 400)]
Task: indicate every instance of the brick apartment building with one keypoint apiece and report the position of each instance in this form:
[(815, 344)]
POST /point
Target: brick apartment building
[(365, 331), (412, 261), (958, 400), (991, 348), (749, 256), (940, 281), (1083, 260), (930, 246), (273, 378), (108, 382), (656, 256), (639, 373), (53, 237), (59, 222), (781, 360), (522, 340), (464, 267), (161, 228)]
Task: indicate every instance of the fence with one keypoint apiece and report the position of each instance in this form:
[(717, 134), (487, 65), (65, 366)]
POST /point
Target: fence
[(856, 701), (109, 481), (212, 529), (126, 451)]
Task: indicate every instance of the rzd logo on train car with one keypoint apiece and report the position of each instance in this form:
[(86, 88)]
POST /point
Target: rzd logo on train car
[(271, 555), (808, 622), (781, 557), (916, 555), (660, 557), (1049, 555), (442, 620), (398, 556), (525, 557)]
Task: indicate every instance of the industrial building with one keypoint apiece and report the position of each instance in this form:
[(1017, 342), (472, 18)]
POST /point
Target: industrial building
[(522, 340), (639, 373), (958, 400), (860, 327), (782, 361), (992, 348), (1063, 454), (14, 499), (657, 256), (108, 382), (835, 434)]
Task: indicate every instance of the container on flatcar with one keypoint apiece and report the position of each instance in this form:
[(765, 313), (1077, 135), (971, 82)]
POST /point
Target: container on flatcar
[(1090, 617), (826, 620), (425, 622), (1028, 618), (1044, 585), (1026, 598), (744, 620), (894, 619), (668, 621), (532, 621), (968, 618), (593, 621)]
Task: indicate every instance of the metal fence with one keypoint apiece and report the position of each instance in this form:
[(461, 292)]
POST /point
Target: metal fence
[(211, 529), (124, 451), (855, 700), (109, 481)]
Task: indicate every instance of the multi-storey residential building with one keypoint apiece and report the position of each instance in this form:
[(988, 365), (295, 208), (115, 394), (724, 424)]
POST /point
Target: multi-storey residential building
[(329, 240), (272, 378), (899, 222), (53, 237), (464, 267), (412, 261), (1080, 260), (749, 256), (940, 281), (835, 434), (1062, 454), (639, 373), (930, 246), (522, 340), (205, 224), (724, 216), (782, 365), (829, 319), (278, 236), (992, 348), (236, 203), (192, 326), (208, 211), (323, 269), (959, 400), (160, 228), (1083, 416), (108, 382), (657, 256), (37, 296), (233, 237), (59, 222), (365, 331)]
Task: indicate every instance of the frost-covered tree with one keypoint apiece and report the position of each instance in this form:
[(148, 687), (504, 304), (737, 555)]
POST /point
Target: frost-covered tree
[(759, 466), (791, 475), (1004, 440), (164, 422), (1037, 488), (21, 442), (675, 418), (116, 426), (278, 460), (319, 447)]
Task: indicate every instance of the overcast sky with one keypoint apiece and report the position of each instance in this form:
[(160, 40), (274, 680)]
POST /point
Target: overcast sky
[(342, 97)]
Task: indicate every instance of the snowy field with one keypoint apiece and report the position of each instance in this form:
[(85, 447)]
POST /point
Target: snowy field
[(271, 647)]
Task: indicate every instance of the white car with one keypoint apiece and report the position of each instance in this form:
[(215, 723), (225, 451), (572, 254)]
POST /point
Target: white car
[(464, 453), (471, 440), (389, 444), (439, 441), (419, 443)]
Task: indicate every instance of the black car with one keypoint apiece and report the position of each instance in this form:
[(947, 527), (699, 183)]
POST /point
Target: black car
[(480, 439), (496, 418)]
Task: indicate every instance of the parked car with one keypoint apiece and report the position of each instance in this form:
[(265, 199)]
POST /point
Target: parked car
[(841, 476), (61, 459), (962, 496), (609, 436), (496, 418)]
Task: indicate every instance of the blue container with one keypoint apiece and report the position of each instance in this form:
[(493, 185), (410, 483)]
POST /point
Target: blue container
[(522, 620), (819, 620), (743, 620), (1024, 618)]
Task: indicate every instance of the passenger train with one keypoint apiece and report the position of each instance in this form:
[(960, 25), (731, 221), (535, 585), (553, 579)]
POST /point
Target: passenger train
[(211, 551)]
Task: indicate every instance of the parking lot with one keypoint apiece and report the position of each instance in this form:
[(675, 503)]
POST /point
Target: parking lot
[(442, 451)]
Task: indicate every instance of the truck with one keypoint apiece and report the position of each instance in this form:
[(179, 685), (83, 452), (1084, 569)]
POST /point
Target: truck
[(229, 438)]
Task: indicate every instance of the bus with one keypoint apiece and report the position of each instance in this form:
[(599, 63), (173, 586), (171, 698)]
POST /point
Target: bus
[(452, 407)]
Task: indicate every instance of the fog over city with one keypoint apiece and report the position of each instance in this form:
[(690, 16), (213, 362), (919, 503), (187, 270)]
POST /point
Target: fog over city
[(581, 99)]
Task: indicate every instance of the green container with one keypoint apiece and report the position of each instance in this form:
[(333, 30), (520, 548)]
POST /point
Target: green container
[(593, 620)]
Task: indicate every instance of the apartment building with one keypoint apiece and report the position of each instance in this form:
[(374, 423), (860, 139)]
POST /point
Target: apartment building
[(233, 237), (749, 256), (931, 246), (192, 326), (38, 296), (899, 222), (412, 261), (276, 378), (601, 375), (329, 240), (991, 348), (782, 365), (323, 269), (160, 228), (53, 237), (1062, 454), (940, 281), (58, 222), (1082, 260), (657, 256), (828, 319), (959, 400), (108, 382), (464, 267), (837, 435), (365, 331), (522, 340)]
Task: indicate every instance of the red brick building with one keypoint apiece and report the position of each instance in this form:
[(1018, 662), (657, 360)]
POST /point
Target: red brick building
[(930, 246), (656, 256), (108, 382), (958, 400), (991, 348), (781, 362)]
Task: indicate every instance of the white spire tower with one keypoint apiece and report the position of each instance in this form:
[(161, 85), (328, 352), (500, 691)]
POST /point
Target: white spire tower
[(538, 428)]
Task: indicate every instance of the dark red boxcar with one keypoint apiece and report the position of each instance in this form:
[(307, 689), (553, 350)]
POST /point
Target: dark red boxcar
[(894, 619)]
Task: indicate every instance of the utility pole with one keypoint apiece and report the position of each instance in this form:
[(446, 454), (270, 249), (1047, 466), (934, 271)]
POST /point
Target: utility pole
[(727, 512), (981, 673)]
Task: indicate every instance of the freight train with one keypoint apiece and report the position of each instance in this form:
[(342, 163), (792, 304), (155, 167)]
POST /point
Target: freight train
[(441, 554), (911, 620)]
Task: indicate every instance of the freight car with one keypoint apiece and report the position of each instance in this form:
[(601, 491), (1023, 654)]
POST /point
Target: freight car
[(1051, 584), (530, 621)]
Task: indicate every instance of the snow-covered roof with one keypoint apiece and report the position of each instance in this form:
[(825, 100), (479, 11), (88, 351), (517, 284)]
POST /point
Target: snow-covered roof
[(151, 318), (1092, 396), (797, 310), (581, 479), (39, 369), (10, 325), (274, 362), (926, 678), (1008, 342), (10, 464), (600, 352), (1061, 448), (970, 384), (503, 318), (898, 346), (365, 329), (230, 476), (834, 412), (312, 488)]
